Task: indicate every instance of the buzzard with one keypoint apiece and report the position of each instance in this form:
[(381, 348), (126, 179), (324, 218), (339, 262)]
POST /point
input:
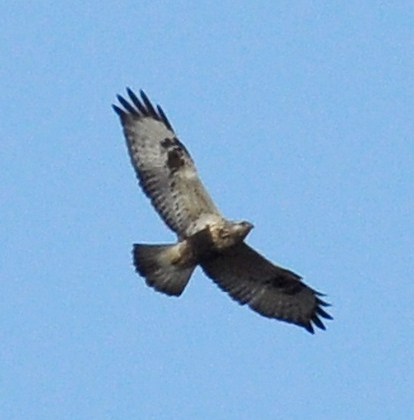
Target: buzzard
[(168, 176)]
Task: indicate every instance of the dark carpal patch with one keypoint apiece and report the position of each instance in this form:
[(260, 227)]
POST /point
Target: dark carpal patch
[(181, 146), (175, 153), (173, 142), (167, 143), (175, 159)]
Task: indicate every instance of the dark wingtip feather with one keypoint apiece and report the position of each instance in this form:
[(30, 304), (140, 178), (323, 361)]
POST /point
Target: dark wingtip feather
[(318, 322), (148, 104), (323, 314), (309, 328), (322, 302), (127, 105), (318, 313), (140, 107), (164, 118), (119, 111), (132, 95)]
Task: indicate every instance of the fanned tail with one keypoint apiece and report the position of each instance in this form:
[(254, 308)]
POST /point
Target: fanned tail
[(157, 265)]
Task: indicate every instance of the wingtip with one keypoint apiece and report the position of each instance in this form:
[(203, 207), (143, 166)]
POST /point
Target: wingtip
[(322, 302), (309, 328), (316, 320), (148, 104), (134, 98), (118, 110), (143, 95), (324, 314), (164, 118)]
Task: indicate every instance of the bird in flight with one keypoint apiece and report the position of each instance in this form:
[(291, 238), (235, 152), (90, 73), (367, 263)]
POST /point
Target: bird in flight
[(168, 176)]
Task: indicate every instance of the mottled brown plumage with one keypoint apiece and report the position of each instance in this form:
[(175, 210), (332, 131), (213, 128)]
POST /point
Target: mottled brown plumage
[(168, 176)]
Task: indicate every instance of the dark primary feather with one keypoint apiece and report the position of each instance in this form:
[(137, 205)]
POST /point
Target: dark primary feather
[(270, 290), (143, 109)]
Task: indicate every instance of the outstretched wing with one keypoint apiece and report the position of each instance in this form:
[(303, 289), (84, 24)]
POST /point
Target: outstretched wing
[(271, 291), (163, 165)]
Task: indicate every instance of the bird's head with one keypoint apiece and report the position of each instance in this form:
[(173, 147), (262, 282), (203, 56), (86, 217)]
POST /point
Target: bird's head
[(241, 229), (230, 233)]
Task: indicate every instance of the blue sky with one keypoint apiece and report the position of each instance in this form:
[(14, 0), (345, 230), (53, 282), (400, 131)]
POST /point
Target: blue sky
[(299, 116)]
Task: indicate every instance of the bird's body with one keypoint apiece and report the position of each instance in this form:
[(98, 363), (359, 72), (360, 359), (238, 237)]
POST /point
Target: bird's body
[(168, 176)]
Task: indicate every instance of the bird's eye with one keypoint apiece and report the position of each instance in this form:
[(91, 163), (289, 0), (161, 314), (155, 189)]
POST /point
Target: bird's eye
[(223, 233)]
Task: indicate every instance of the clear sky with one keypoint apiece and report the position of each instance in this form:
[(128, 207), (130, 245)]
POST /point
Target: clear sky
[(300, 117)]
